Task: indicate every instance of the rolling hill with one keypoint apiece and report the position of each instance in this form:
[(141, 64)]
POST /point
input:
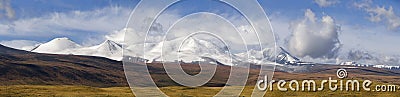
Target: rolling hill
[(19, 67), (22, 67)]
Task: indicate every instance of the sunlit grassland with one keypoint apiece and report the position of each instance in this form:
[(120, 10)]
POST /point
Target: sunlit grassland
[(62, 90), (173, 91)]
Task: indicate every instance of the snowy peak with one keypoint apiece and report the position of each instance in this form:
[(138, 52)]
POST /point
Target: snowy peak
[(61, 40), (109, 45), (284, 57), (257, 56), (188, 50), (56, 45), (194, 45), (108, 48)]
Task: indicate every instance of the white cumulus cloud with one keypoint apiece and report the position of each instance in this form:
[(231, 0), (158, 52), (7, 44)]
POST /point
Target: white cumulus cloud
[(326, 3), (380, 14), (6, 10), (314, 38), (386, 15), (73, 23)]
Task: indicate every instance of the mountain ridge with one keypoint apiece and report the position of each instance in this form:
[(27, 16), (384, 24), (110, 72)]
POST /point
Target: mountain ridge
[(18, 67), (23, 67), (56, 45)]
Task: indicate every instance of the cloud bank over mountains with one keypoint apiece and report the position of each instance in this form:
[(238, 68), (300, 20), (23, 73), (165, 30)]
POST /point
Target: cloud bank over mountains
[(21, 44)]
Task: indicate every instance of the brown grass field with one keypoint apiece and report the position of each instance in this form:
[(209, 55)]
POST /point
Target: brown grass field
[(172, 91), (32, 74)]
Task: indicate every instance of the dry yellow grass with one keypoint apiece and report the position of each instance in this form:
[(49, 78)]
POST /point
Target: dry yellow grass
[(63, 91), (173, 91)]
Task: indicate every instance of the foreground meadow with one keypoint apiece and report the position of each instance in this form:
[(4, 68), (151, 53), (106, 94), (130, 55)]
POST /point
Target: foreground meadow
[(173, 91)]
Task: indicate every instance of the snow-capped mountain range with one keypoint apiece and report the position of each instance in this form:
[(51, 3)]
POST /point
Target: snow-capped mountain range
[(187, 50), (108, 48), (56, 46), (193, 49)]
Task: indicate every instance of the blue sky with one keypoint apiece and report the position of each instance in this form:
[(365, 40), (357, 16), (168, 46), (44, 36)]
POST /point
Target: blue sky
[(37, 8), (88, 21), (30, 9)]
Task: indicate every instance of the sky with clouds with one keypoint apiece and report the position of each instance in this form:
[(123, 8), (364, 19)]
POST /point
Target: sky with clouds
[(347, 24)]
